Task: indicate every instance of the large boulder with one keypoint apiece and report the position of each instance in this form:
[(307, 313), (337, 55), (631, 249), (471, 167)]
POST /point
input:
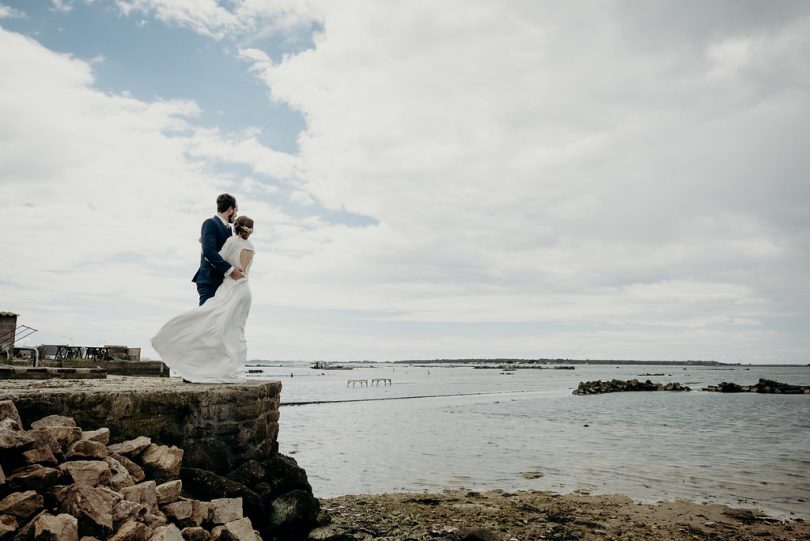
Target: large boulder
[(169, 492), (293, 514), (35, 477), (126, 511), (22, 505), (134, 470), (62, 527), (12, 437), (162, 462), (87, 472), (53, 420), (224, 510), (205, 485), (237, 530), (143, 493), (102, 435), (131, 448), (86, 450), (195, 533), (132, 531), (170, 532), (64, 435), (8, 525), (93, 506), (119, 475), (9, 411)]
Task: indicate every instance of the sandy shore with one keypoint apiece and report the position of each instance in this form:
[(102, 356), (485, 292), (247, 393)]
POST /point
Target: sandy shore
[(531, 515)]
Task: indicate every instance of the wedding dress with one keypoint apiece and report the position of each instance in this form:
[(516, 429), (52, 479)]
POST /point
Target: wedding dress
[(207, 344)]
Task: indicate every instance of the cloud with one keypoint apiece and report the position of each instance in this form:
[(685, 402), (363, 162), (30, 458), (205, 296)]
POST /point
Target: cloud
[(7, 12), (62, 6), (544, 180), (106, 194), (209, 18), (537, 163)]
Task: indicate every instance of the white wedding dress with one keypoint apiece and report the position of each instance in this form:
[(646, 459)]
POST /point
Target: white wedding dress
[(207, 344)]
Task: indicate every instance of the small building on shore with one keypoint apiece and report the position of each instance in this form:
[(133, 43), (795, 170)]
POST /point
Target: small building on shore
[(8, 332)]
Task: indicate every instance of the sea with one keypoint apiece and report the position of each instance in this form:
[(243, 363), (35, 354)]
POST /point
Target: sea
[(429, 428)]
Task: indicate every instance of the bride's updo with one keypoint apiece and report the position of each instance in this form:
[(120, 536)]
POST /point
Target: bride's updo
[(243, 226)]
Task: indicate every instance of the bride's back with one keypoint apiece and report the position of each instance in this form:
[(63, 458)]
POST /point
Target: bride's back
[(232, 251)]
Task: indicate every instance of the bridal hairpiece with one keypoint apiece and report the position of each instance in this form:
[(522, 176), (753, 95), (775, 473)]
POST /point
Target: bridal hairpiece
[(246, 229)]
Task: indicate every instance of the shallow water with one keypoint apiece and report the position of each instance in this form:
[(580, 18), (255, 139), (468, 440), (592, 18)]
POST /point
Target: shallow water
[(481, 429)]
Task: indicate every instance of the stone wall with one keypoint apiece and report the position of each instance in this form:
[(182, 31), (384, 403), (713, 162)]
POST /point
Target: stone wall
[(218, 426), (228, 434)]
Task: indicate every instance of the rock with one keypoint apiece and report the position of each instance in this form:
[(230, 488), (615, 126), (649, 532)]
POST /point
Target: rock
[(617, 386), (195, 533), (40, 454), (2, 477), (248, 473), (131, 448), (86, 449), (132, 531), (44, 438), (89, 538), (224, 510), (296, 510), (169, 492), (237, 530), (329, 533), (8, 525), (134, 470), (22, 505), (143, 493), (162, 461), (155, 520), (170, 532), (9, 411), (125, 511), (12, 438), (284, 474), (476, 534), (206, 485), (102, 435), (87, 472), (34, 477), (182, 513), (62, 527), (120, 477), (93, 506), (26, 532), (53, 420), (64, 435)]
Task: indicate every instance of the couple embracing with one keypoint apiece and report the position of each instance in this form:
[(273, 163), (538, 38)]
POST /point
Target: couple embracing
[(207, 344)]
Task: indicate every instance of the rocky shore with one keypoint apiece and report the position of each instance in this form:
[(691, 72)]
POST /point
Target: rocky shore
[(620, 386), (764, 386), (502, 516)]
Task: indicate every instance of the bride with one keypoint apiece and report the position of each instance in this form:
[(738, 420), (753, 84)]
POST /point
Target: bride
[(207, 344)]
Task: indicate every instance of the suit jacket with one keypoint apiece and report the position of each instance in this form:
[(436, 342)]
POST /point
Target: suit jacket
[(212, 266)]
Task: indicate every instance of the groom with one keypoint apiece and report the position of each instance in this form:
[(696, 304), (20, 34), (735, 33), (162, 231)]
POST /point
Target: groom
[(215, 231)]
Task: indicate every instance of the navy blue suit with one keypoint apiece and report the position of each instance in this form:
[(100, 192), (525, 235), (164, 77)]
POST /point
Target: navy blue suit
[(212, 267)]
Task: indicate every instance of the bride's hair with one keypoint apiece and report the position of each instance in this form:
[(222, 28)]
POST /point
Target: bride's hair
[(243, 226)]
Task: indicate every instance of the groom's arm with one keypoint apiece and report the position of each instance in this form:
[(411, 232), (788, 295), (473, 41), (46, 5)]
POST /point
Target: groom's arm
[(209, 248)]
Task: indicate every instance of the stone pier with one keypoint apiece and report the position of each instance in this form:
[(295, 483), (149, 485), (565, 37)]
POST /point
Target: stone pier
[(228, 432)]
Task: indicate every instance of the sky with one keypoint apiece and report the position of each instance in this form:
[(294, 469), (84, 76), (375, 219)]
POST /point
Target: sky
[(463, 179)]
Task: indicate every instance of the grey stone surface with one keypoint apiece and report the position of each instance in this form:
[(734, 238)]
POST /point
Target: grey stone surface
[(219, 427)]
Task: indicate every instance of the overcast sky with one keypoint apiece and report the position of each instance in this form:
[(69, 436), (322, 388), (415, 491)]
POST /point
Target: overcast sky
[(428, 180)]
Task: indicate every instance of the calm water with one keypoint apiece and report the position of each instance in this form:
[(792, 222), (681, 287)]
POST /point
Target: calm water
[(481, 429)]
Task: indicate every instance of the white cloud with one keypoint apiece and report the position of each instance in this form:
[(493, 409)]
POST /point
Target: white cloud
[(7, 12), (105, 204), (62, 6), (547, 180)]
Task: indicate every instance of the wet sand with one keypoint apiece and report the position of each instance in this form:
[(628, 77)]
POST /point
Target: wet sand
[(532, 515)]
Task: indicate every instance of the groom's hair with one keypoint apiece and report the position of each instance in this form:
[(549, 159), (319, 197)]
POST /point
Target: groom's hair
[(225, 201)]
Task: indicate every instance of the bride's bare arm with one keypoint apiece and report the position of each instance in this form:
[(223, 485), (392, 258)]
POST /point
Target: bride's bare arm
[(245, 257)]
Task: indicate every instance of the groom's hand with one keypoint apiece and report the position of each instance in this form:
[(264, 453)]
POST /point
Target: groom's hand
[(237, 273)]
